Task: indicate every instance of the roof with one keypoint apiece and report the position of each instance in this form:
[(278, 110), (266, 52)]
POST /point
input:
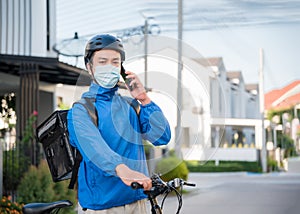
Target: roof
[(211, 61), (51, 70), (251, 87), (233, 74), (283, 98)]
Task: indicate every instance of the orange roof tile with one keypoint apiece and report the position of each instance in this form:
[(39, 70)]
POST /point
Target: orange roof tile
[(289, 102), (274, 95)]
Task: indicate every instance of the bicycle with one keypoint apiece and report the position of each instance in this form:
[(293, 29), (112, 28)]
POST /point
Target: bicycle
[(159, 187)]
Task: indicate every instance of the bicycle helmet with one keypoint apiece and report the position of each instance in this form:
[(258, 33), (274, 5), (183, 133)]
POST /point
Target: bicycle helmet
[(103, 41)]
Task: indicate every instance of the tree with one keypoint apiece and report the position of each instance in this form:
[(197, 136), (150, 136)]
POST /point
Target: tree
[(286, 143)]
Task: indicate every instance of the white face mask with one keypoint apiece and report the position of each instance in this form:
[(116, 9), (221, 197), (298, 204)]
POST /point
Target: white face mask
[(107, 76)]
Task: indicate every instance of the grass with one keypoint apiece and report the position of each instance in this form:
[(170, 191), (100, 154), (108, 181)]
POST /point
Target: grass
[(224, 166)]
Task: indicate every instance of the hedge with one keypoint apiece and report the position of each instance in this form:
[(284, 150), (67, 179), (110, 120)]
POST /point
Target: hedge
[(223, 166)]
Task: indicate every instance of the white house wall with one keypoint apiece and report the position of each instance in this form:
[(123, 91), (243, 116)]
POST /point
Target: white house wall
[(24, 27), (162, 77)]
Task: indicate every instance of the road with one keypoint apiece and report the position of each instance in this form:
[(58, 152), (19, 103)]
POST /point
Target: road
[(240, 193)]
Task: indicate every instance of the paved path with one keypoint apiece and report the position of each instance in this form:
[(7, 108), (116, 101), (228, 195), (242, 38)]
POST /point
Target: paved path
[(240, 193), (294, 165)]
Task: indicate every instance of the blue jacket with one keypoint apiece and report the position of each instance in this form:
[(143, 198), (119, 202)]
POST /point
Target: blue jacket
[(116, 140)]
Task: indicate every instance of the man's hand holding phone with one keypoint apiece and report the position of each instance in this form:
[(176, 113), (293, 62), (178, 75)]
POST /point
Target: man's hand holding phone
[(136, 88)]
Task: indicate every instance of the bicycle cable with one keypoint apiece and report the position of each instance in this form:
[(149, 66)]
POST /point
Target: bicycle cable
[(178, 195)]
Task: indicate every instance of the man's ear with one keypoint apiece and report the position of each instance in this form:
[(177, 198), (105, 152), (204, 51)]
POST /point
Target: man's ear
[(89, 68)]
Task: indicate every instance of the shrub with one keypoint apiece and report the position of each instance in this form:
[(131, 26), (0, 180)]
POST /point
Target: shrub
[(37, 186), (272, 165), (224, 166), (172, 167)]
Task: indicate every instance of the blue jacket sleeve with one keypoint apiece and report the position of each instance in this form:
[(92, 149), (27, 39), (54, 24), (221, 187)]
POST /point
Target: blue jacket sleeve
[(154, 125), (86, 137)]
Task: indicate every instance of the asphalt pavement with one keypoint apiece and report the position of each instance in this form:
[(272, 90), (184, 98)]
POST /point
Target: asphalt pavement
[(239, 193)]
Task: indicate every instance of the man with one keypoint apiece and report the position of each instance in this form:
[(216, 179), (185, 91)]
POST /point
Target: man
[(113, 152)]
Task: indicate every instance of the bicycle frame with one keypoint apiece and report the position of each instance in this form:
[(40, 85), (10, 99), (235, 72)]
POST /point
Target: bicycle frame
[(155, 208)]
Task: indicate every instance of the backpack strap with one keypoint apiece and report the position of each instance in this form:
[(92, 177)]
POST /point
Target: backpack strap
[(78, 159), (133, 103), (88, 104)]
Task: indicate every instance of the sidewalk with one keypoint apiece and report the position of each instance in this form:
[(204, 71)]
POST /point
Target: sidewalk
[(207, 181), (293, 165), (239, 192)]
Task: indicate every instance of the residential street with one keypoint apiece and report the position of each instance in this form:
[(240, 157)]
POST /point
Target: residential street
[(240, 193)]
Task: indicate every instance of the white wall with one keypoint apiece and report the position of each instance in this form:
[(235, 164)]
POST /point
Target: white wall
[(200, 154), (24, 27)]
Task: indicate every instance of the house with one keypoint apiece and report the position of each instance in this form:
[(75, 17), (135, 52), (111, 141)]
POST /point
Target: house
[(29, 67), (285, 101), (234, 110), (219, 113)]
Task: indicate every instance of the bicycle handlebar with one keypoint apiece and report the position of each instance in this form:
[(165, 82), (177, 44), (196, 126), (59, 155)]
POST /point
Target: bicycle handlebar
[(160, 187), (175, 183), (136, 185)]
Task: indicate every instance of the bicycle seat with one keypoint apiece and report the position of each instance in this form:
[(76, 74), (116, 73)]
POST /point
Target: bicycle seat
[(39, 208)]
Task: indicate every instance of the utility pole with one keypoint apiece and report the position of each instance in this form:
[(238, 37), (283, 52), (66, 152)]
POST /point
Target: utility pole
[(146, 51), (178, 138), (263, 154), (1, 168)]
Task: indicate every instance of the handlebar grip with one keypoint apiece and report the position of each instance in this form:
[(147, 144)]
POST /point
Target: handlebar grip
[(189, 184), (136, 185)]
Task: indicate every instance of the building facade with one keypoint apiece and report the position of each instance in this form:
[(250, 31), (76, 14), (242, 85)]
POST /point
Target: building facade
[(28, 27), (29, 68), (219, 111), (235, 124)]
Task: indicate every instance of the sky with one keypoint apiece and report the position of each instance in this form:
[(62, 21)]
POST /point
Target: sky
[(233, 30)]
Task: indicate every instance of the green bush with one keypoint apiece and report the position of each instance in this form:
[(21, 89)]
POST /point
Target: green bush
[(272, 165), (224, 166), (37, 186), (172, 167)]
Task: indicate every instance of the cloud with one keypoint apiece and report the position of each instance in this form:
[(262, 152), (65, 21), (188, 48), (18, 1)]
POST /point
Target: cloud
[(204, 14)]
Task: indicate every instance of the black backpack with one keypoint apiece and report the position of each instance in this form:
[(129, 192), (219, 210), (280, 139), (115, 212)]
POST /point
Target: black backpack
[(62, 158)]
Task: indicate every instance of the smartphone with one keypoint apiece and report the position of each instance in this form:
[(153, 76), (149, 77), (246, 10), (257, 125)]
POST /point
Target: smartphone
[(127, 80)]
